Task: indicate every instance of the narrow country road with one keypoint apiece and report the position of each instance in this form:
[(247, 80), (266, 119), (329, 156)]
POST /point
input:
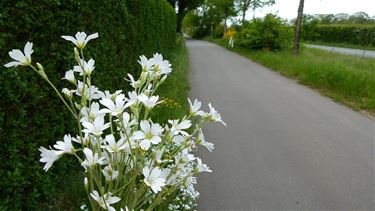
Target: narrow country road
[(347, 51), (286, 147)]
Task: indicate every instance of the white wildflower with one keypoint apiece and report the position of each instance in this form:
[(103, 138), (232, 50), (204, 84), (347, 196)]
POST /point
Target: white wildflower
[(49, 156), (154, 178), (149, 133), (91, 158), (20, 58), (106, 200), (81, 39), (66, 145), (97, 127), (148, 102)]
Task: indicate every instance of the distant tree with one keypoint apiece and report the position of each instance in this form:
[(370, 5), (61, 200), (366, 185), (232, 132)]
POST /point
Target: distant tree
[(245, 5), (297, 28), (326, 18), (359, 18), (183, 7), (340, 18), (226, 8)]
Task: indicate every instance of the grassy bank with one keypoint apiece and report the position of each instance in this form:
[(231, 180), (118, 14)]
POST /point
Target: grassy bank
[(346, 79), (175, 90)]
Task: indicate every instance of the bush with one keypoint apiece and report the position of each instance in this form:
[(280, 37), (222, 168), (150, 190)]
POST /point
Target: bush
[(127, 29), (345, 33), (270, 33)]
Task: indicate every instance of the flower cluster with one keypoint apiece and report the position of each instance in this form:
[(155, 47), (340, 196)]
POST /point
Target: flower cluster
[(129, 161)]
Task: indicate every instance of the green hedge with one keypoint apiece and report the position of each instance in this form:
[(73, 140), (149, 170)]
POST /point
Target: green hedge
[(30, 116), (344, 33)]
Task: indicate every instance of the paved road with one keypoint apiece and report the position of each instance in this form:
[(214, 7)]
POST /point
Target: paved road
[(285, 147), (348, 51)]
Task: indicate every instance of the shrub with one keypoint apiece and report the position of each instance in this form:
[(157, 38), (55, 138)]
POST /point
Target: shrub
[(271, 33), (345, 33), (130, 28)]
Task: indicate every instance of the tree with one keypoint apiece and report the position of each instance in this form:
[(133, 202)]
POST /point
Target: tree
[(226, 8), (183, 7), (245, 5), (297, 28)]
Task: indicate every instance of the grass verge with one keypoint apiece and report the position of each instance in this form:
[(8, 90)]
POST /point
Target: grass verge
[(347, 79), (175, 90)]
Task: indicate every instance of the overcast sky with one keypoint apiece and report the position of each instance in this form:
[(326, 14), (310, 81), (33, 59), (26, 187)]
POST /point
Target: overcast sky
[(288, 8)]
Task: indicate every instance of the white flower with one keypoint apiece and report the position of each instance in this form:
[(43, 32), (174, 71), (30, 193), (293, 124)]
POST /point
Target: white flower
[(106, 200), (150, 133), (145, 63), (154, 178), (213, 115), (85, 68), (113, 146), (133, 82), (161, 66), (91, 92), (20, 58), (178, 127), (97, 127), (133, 98), (48, 157), (81, 39), (201, 140), (69, 76), (194, 107), (114, 108), (66, 145), (109, 173), (148, 102), (202, 167), (68, 93), (91, 158), (89, 115)]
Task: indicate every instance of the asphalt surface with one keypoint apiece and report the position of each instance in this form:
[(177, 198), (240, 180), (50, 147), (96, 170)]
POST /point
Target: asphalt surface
[(286, 147), (348, 51)]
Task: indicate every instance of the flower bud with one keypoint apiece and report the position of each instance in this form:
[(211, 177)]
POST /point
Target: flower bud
[(41, 71), (76, 55), (68, 93), (85, 181)]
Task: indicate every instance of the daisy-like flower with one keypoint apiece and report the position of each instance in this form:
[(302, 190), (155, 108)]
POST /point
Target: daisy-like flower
[(89, 92), (20, 58), (201, 140), (177, 128), (68, 93), (149, 133), (113, 146), (49, 156), (213, 115), (194, 107), (161, 66), (97, 127), (81, 39), (89, 115), (133, 82), (91, 158), (85, 68), (106, 200), (109, 173), (153, 178), (133, 98), (145, 63), (148, 102), (114, 108), (66, 145), (69, 76), (201, 167)]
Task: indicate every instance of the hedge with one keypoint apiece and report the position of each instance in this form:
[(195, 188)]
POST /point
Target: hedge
[(344, 33), (30, 116)]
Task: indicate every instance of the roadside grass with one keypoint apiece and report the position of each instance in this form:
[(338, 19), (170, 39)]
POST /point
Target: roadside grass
[(341, 45), (175, 90), (347, 79)]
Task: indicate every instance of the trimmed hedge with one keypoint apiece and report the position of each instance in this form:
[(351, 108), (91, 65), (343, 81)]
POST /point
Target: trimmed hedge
[(30, 115), (344, 33)]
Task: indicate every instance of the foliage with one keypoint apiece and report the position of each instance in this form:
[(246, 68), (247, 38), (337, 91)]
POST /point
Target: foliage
[(245, 5), (339, 33), (270, 33), (129, 28)]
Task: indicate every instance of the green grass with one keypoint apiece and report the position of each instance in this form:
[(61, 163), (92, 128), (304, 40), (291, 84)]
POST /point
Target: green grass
[(175, 90), (342, 45), (346, 79)]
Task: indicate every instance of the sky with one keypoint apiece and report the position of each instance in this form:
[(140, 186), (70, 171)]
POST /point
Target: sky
[(288, 8)]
